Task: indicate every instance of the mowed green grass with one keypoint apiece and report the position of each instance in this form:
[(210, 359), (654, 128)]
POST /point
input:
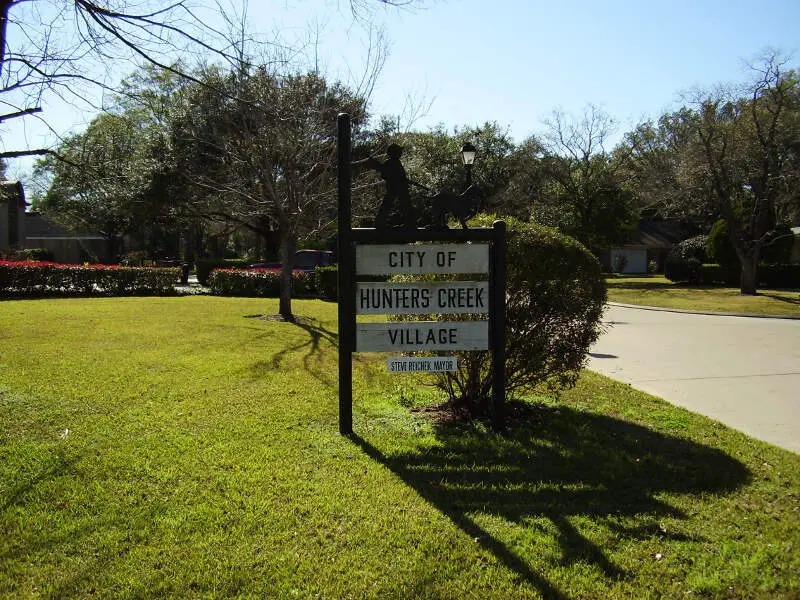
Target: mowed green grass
[(180, 447), (656, 290)]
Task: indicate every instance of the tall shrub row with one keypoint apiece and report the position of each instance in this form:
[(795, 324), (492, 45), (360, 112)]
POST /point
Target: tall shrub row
[(257, 283), (26, 279), (785, 276), (205, 266)]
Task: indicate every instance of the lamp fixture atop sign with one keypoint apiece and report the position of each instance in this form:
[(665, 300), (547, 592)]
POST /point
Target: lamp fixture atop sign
[(468, 153)]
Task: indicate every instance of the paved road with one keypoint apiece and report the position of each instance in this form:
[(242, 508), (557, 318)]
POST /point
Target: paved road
[(742, 371)]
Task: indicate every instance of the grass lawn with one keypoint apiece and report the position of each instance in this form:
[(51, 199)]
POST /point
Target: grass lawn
[(182, 447), (656, 290)]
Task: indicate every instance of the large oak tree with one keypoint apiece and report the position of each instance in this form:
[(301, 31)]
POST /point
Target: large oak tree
[(732, 154)]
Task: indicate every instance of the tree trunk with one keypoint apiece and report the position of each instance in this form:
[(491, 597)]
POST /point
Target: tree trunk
[(749, 275), (748, 256), (288, 247)]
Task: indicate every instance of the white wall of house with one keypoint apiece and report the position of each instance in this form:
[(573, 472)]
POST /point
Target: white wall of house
[(795, 257), (636, 259)]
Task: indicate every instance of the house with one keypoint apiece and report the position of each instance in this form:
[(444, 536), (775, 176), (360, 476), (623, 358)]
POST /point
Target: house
[(650, 242), (67, 247), (12, 216), (20, 230)]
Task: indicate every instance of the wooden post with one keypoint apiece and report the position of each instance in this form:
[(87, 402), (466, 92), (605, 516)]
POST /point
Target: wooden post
[(346, 258), (497, 325)]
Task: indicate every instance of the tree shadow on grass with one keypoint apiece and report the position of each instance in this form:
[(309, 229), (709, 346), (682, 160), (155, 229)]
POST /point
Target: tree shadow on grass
[(641, 285), (314, 352), (794, 301), (562, 464), (15, 495)]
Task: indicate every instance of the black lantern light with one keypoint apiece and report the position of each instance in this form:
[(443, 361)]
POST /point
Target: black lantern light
[(468, 153)]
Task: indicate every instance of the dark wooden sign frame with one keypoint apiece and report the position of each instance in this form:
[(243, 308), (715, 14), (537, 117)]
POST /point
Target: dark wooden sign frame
[(349, 237)]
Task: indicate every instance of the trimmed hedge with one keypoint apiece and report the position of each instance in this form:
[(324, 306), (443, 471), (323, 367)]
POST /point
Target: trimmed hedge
[(769, 276), (715, 274), (779, 276), (257, 283), (26, 279), (328, 282), (204, 267), (677, 268)]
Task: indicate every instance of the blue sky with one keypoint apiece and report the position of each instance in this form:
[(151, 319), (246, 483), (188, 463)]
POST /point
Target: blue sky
[(515, 61)]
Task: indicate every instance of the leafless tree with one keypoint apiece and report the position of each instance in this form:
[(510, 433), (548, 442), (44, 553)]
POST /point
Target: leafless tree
[(64, 48)]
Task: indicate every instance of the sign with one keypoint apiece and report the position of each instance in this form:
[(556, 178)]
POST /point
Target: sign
[(443, 297), (387, 251), (422, 335), (418, 259), (413, 364)]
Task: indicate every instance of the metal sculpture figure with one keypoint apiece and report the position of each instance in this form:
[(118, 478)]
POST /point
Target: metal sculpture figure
[(397, 188), (461, 206)]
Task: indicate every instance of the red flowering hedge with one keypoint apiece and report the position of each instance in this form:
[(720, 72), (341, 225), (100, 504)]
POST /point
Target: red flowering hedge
[(53, 279), (257, 283)]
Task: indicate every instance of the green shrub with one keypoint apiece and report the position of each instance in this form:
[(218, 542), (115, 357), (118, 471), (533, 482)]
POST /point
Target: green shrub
[(719, 247), (620, 262), (29, 279), (693, 247), (555, 294), (257, 283), (715, 274), (327, 282), (680, 269), (785, 276), (555, 299), (303, 284), (38, 254), (685, 260)]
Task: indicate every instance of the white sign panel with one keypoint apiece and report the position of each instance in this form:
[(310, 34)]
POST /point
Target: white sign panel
[(422, 335), (413, 364), (444, 297), (418, 259)]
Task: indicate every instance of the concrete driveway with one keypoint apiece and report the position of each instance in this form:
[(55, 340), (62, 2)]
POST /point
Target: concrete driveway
[(742, 371)]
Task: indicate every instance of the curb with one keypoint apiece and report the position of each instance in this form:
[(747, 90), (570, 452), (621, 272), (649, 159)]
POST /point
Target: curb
[(702, 312)]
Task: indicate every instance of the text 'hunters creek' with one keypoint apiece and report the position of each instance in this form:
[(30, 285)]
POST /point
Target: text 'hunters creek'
[(452, 297)]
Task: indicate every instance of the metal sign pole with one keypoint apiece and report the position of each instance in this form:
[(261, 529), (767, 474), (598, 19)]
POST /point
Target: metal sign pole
[(346, 293), (498, 325)]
